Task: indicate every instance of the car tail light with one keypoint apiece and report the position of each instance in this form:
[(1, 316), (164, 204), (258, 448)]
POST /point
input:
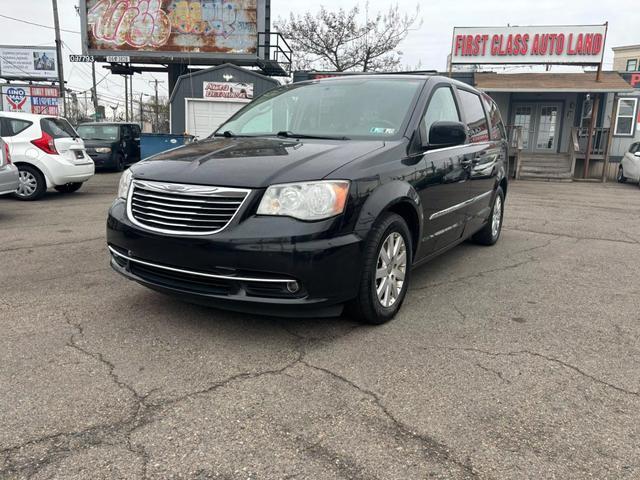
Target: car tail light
[(46, 144)]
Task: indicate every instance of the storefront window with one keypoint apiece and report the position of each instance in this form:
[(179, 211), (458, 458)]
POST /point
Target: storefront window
[(625, 117)]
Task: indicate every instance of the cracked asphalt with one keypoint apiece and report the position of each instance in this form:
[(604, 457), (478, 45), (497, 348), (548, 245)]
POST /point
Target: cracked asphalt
[(517, 361)]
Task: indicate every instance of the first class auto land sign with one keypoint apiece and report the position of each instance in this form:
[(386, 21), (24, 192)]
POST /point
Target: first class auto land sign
[(579, 44)]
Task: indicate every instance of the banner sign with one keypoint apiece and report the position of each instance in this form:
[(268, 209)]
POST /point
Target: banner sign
[(228, 92), (145, 28), (30, 99), (580, 44), (28, 62)]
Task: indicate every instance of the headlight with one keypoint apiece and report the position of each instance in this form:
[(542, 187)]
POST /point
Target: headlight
[(103, 150), (125, 183), (305, 201)]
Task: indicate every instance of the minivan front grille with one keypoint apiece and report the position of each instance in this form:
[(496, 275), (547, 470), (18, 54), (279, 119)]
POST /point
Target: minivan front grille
[(176, 208)]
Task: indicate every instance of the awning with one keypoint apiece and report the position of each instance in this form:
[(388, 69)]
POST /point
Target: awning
[(551, 82)]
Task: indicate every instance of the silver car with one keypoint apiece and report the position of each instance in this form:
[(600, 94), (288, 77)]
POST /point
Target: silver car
[(8, 171)]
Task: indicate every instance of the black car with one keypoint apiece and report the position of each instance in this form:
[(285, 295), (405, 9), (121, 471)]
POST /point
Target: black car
[(111, 145), (317, 195)]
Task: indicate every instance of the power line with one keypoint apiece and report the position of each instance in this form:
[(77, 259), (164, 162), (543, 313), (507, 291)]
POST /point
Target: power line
[(37, 24)]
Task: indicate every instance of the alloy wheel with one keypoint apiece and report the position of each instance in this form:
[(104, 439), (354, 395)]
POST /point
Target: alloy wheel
[(496, 221), (27, 184), (391, 269)]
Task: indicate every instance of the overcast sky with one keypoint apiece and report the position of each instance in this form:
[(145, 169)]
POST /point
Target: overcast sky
[(429, 45)]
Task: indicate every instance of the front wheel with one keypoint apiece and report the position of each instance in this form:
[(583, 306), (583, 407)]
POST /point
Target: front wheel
[(386, 271), (68, 187), (32, 184), (490, 233)]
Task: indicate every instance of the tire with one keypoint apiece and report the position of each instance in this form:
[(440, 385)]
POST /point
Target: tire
[(369, 306), (119, 163), (620, 177), (68, 187), (490, 233), (32, 183)]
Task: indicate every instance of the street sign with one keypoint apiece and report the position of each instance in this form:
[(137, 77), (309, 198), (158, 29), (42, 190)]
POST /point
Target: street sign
[(82, 58)]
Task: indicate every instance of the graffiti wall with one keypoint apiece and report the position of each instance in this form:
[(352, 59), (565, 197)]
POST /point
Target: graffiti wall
[(188, 26)]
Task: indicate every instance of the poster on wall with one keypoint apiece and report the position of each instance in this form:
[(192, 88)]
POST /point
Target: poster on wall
[(228, 92), (28, 62), (42, 100), (558, 44), (178, 27)]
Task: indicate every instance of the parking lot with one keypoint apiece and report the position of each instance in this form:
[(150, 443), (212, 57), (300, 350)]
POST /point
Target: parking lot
[(518, 361)]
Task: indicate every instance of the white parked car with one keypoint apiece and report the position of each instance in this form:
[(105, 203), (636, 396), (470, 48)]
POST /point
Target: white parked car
[(630, 165), (48, 152), (8, 171)]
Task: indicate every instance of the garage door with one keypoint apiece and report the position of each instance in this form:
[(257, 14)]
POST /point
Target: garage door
[(204, 116)]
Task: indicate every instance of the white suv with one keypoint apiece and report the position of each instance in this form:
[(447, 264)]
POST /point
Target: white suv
[(48, 153)]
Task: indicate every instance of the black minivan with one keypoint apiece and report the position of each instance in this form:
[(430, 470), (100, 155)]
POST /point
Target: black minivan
[(316, 196), (111, 145)]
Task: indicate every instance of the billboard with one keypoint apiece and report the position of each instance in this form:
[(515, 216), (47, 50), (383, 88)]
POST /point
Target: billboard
[(228, 92), (577, 44), (28, 62), (172, 28), (42, 100)]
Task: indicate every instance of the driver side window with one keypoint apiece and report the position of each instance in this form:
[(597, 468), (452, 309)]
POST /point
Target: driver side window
[(442, 108)]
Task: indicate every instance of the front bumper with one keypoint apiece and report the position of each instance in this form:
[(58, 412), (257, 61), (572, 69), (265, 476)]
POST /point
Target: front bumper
[(102, 160), (8, 179), (250, 266)]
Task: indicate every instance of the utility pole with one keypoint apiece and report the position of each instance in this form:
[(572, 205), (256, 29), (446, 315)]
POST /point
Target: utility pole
[(131, 97), (141, 112), (126, 99), (94, 91), (56, 23)]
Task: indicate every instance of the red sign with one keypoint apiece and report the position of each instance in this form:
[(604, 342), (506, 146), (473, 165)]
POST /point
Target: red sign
[(528, 45)]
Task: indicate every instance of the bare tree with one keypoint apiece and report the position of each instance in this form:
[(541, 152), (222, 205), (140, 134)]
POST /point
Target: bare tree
[(349, 39)]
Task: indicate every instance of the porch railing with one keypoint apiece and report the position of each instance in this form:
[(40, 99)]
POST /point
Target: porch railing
[(599, 151)]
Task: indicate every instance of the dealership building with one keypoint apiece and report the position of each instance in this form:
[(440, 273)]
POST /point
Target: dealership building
[(562, 125)]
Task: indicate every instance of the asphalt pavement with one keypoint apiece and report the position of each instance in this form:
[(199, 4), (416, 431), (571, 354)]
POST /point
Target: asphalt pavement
[(511, 362)]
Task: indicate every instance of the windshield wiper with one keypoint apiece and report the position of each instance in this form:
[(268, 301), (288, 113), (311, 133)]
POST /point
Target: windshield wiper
[(289, 134)]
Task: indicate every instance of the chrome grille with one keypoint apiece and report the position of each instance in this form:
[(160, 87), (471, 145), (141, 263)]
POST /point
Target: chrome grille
[(183, 209)]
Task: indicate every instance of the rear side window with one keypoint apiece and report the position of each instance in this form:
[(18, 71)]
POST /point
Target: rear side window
[(498, 131), (12, 126), (475, 116), (442, 108), (634, 147), (58, 128)]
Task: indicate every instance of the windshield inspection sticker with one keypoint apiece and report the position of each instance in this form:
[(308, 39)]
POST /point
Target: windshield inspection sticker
[(383, 131)]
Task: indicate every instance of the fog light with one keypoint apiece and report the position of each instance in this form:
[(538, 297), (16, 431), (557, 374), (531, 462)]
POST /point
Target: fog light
[(293, 287)]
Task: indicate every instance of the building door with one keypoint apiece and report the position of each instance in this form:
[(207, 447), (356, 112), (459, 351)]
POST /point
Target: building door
[(523, 116), (540, 124), (205, 116), (547, 127)]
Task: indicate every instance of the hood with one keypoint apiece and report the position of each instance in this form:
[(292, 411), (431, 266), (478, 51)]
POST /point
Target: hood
[(252, 162)]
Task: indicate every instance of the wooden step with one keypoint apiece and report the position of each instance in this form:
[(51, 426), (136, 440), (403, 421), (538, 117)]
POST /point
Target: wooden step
[(547, 176)]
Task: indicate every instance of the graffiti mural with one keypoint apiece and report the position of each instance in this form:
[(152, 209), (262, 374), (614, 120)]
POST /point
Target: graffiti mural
[(189, 26)]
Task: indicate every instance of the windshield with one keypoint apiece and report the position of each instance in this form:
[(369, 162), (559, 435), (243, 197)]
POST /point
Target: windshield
[(98, 132), (370, 108)]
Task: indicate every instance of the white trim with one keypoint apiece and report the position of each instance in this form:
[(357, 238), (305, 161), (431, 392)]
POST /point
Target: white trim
[(633, 117)]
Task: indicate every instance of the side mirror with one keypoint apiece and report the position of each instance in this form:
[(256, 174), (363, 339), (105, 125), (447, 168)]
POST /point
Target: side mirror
[(447, 134), (637, 154)]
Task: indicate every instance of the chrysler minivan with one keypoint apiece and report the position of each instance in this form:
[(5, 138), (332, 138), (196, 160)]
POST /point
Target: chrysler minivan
[(317, 196)]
